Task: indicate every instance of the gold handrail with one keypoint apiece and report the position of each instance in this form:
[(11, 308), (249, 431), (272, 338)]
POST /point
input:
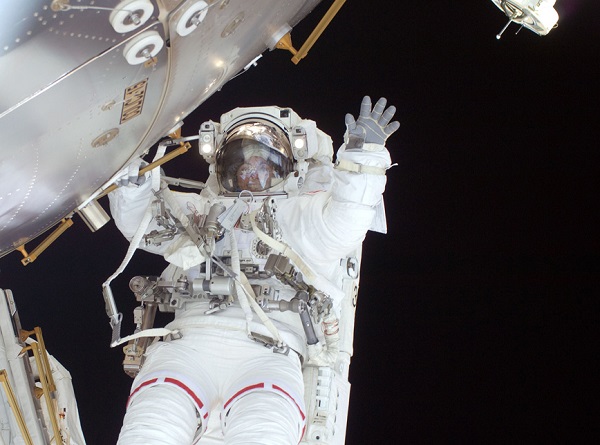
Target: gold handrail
[(286, 40), (31, 257), (12, 402), (166, 158), (45, 374)]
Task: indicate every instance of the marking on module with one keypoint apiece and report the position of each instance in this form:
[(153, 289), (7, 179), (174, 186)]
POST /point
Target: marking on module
[(133, 101)]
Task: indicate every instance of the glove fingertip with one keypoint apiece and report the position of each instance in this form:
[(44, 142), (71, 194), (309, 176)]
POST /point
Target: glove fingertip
[(392, 127), (365, 107)]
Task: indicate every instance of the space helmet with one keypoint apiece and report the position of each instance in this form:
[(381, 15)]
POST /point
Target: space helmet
[(255, 155)]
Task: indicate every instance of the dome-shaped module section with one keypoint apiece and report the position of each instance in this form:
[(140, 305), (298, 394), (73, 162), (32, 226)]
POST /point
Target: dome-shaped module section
[(538, 16)]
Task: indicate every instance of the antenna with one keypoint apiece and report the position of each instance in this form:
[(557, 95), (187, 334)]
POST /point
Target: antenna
[(499, 35)]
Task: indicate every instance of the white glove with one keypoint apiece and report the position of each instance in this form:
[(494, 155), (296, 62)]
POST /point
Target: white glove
[(373, 126), (130, 174)]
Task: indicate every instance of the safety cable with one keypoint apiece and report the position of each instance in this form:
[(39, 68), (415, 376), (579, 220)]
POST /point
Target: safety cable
[(239, 290)]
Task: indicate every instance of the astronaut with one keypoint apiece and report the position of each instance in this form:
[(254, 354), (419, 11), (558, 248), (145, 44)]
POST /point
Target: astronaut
[(254, 271)]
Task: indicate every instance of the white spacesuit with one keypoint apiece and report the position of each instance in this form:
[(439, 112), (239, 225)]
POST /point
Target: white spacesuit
[(296, 219)]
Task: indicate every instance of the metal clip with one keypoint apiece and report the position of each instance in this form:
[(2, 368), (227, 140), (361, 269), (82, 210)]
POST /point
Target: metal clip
[(217, 305), (270, 343)]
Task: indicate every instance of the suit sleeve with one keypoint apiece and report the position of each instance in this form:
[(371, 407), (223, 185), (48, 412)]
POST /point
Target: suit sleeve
[(329, 225)]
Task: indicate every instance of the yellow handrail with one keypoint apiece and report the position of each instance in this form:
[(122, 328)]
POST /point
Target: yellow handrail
[(45, 374), (286, 41), (31, 257), (12, 402), (166, 158)]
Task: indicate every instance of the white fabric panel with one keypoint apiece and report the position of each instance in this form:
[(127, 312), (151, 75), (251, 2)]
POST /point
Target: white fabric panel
[(278, 419), (212, 369), (160, 415)]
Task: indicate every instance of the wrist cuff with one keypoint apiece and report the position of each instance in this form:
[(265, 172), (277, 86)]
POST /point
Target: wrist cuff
[(349, 166)]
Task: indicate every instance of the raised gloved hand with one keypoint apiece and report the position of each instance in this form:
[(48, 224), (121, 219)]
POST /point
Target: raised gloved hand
[(129, 175), (373, 126)]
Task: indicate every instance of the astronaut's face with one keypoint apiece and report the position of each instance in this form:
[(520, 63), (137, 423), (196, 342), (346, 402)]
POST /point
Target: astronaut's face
[(254, 175)]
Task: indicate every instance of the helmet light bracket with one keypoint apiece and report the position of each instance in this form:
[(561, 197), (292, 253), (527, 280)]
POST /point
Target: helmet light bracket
[(207, 142), (299, 143)]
